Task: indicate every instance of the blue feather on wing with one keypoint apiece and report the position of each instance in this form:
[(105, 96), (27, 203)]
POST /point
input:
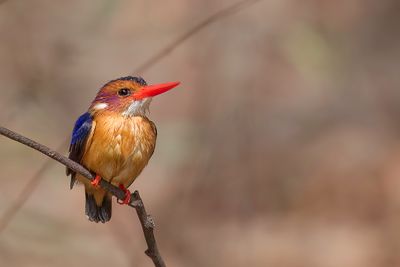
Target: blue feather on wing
[(79, 138), (82, 128)]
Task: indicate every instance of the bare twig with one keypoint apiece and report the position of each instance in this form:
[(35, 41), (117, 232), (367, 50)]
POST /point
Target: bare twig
[(209, 20), (136, 202), (147, 226)]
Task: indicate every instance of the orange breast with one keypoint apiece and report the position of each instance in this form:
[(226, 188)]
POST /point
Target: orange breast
[(120, 147)]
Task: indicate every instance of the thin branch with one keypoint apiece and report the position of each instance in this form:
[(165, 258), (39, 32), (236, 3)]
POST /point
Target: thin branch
[(148, 225), (136, 202), (236, 7)]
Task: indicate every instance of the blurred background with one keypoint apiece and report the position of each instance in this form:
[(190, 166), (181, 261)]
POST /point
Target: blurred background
[(280, 148)]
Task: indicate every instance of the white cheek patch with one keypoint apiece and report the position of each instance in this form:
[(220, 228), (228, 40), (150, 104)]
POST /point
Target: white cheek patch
[(100, 106)]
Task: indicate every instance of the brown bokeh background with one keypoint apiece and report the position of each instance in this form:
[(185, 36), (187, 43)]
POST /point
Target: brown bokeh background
[(281, 147)]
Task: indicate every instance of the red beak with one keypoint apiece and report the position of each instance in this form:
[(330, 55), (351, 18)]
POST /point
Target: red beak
[(154, 89)]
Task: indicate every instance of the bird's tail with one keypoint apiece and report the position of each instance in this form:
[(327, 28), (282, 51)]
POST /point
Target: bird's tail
[(96, 213)]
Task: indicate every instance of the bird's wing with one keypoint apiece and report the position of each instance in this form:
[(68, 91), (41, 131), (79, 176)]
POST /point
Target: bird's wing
[(81, 138)]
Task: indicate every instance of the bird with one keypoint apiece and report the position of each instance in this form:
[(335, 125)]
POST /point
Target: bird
[(114, 140)]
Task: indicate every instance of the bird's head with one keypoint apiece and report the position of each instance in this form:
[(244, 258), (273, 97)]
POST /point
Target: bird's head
[(128, 96)]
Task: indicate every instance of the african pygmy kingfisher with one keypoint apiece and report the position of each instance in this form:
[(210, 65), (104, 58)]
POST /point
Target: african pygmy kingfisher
[(115, 140)]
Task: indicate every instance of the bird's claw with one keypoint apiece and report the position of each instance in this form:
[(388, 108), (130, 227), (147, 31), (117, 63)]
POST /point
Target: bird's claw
[(127, 198), (96, 181)]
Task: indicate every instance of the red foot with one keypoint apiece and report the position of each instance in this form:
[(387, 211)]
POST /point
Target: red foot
[(96, 181), (127, 198)]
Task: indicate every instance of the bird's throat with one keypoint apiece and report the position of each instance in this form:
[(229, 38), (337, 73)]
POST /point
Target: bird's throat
[(138, 107)]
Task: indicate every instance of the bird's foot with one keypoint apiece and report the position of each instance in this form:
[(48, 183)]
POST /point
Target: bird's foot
[(127, 198), (96, 181)]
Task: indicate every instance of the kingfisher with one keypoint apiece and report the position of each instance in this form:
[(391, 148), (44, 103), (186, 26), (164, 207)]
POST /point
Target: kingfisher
[(115, 140)]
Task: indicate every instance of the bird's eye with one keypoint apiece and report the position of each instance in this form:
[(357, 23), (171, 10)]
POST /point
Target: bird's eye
[(124, 92)]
